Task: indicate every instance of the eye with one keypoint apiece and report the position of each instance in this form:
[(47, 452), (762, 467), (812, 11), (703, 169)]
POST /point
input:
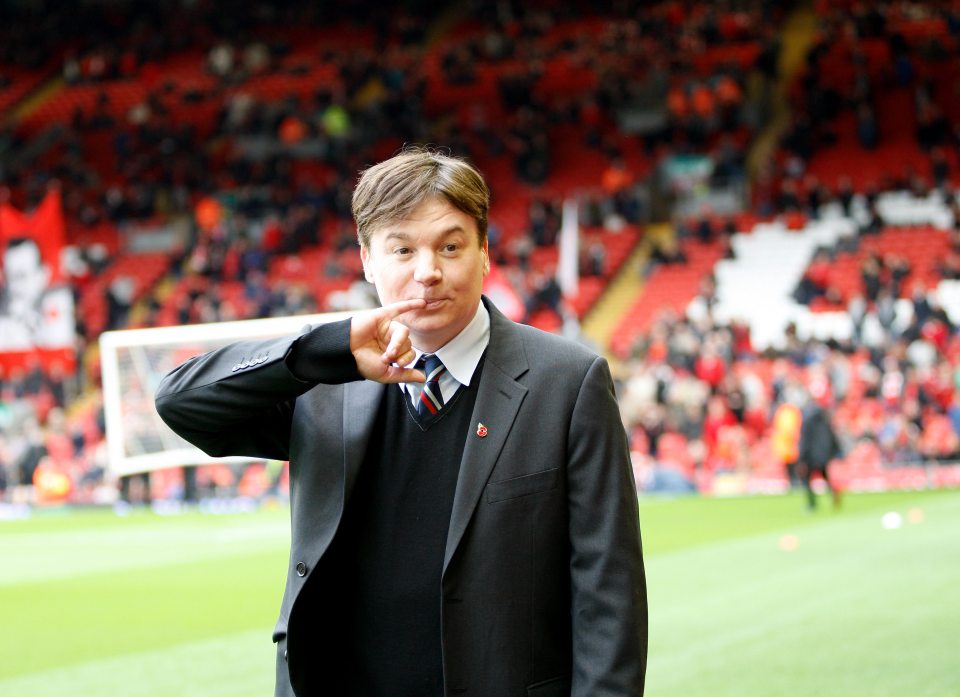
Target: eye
[(401, 251), (451, 247)]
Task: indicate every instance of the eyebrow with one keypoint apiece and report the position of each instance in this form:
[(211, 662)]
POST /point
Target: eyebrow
[(403, 236)]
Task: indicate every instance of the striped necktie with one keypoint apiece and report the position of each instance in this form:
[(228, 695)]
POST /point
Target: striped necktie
[(431, 400)]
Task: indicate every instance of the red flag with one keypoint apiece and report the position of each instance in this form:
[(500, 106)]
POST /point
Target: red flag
[(45, 226)]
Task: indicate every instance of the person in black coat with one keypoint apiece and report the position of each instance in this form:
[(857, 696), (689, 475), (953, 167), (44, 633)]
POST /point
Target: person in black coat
[(819, 445)]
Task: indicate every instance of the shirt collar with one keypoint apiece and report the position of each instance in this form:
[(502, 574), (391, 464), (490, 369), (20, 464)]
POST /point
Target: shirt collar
[(462, 353)]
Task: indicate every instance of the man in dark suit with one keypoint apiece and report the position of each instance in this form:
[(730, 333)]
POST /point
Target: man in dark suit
[(472, 531), (819, 446)]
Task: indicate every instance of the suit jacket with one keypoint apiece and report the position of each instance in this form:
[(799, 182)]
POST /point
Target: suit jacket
[(818, 441), (543, 588)]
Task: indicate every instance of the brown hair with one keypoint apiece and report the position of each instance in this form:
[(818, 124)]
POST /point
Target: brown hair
[(390, 190)]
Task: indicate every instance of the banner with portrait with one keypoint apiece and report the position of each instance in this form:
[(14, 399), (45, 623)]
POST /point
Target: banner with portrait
[(36, 302)]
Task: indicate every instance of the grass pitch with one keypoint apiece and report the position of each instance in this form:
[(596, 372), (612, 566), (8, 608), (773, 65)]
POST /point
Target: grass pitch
[(748, 597)]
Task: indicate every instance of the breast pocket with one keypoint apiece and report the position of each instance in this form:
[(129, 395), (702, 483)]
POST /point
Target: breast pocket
[(526, 485), (557, 687)]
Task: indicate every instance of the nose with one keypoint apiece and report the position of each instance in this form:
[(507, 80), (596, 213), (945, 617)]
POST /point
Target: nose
[(427, 270)]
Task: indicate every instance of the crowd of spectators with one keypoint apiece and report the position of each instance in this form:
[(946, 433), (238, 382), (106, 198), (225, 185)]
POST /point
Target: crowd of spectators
[(861, 52), (252, 142), (875, 73), (257, 144), (49, 431), (892, 386), (292, 152)]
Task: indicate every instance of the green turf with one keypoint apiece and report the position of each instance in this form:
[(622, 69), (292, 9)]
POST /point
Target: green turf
[(93, 604), (854, 609)]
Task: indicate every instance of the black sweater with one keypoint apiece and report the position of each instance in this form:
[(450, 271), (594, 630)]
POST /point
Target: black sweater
[(386, 559)]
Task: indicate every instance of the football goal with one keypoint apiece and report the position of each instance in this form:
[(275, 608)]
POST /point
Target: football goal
[(133, 361)]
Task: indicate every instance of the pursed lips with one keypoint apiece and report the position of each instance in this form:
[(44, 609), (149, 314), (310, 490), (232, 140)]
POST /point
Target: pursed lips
[(433, 303)]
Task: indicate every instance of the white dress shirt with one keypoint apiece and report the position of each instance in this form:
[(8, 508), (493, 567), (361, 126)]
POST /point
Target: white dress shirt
[(460, 357)]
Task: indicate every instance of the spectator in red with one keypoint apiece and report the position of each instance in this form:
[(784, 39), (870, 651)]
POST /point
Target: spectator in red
[(819, 272), (272, 235), (677, 104), (729, 94), (702, 102), (740, 339), (616, 177), (717, 417), (710, 366), (939, 386), (936, 332)]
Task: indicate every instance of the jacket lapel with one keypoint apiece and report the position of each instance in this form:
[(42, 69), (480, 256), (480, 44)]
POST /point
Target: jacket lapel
[(361, 400), (499, 396)]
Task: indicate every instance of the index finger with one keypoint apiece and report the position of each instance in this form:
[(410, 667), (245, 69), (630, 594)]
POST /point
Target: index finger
[(394, 310)]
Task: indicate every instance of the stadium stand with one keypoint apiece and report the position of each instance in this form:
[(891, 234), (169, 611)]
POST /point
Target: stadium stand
[(207, 155)]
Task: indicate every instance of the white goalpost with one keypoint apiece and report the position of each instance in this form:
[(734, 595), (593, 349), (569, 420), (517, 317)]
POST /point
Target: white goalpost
[(133, 361)]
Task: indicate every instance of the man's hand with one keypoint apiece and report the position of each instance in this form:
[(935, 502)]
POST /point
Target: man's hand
[(377, 341)]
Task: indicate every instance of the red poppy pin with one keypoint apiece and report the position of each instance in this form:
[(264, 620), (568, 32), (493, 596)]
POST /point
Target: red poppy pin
[(481, 430)]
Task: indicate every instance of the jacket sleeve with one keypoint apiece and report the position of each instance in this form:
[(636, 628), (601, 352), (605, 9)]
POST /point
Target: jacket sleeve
[(803, 451), (238, 400), (837, 451), (609, 598)]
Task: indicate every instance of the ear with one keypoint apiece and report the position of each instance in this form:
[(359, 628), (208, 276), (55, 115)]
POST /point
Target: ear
[(485, 250), (365, 260)]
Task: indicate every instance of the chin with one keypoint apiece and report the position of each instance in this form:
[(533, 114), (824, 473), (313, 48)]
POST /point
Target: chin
[(428, 325), (433, 329)]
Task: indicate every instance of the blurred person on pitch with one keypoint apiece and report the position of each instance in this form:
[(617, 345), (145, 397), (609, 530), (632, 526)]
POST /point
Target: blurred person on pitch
[(785, 439), (471, 530), (819, 445), (33, 313)]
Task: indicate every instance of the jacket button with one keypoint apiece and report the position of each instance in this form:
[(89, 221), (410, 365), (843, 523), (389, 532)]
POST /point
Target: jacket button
[(301, 569)]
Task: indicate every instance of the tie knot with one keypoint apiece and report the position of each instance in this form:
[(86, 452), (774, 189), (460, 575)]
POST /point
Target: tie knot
[(432, 365)]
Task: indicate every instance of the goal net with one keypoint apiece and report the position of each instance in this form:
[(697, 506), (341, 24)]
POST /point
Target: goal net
[(133, 362)]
